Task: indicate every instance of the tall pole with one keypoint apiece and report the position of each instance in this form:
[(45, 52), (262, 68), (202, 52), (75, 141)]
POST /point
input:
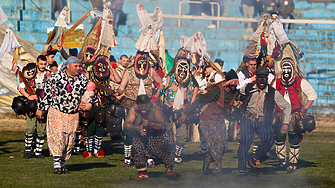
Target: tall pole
[(69, 14)]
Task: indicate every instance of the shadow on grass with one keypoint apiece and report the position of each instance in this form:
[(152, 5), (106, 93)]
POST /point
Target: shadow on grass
[(111, 147), (6, 150), (197, 156), (81, 167), (161, 175)]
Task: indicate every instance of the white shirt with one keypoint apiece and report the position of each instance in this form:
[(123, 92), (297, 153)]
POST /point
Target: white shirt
[(38, 82), (244, 81), (307, 89), (217, 78), (202, 83)]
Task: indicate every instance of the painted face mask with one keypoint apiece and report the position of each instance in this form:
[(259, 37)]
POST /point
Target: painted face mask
[(288, 72), (29, 71), (100, 68), (182, 70), (142, 65), (261, 81)]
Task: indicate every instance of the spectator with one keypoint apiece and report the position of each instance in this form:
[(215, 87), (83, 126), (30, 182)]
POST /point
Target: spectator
[(97, 5), (258, 8), (214, 11), (248, 11), (56, 7), (270, 6), (286, 7), (116, 8)]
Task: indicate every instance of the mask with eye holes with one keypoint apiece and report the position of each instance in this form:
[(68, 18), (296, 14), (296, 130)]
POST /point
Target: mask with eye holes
[(182, 71), (29, 71), (100, 68), (142, 64), (288, 76)]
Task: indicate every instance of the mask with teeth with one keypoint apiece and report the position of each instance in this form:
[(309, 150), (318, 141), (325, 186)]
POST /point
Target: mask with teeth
[(142, 64), (182, 71)]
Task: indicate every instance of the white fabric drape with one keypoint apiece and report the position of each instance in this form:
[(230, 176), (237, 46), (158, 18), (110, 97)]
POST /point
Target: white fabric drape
[(3, 16), (9, 44), (146, 42), (179, 99)]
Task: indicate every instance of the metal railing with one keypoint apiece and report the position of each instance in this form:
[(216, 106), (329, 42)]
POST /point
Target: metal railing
[(197, 2)]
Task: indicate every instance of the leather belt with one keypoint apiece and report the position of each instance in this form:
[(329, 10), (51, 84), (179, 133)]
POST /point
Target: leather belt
[(252, 116)]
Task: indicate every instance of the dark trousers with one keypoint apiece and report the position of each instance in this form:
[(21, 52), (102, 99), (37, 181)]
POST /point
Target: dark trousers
[(264, 132), (56, 5)]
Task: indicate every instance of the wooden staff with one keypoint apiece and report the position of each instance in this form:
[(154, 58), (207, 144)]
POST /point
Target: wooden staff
[(99, 86), (88, 13), (26, 83), (52, 35), (213, 65)]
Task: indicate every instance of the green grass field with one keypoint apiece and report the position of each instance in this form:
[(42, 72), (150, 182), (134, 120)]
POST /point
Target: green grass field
[(316, 168)]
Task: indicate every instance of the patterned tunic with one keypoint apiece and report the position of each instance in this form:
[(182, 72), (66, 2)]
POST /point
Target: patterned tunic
[(63, 93), (133, 86), (173, 87)]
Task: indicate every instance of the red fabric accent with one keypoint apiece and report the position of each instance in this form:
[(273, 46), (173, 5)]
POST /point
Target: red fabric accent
[(293, 93), (263, 42), (114, 65), (251, 74), (85, 154), (143, 173), (160, 74), (154, 98), (101, 153), (99, 34)]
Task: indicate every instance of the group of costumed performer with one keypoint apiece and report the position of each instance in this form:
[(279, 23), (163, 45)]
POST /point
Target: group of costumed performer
[(290, 83)]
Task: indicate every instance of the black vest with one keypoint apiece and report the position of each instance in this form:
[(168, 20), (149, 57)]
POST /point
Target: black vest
[(246, 73), (269, 102)]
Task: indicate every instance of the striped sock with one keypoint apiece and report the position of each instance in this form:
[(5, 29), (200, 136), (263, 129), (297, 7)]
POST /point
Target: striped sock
[(179, 149), (28, 140), (89, 144), (76, 146), (127, 152), (97, 143), (57, 161), (39, 144)]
